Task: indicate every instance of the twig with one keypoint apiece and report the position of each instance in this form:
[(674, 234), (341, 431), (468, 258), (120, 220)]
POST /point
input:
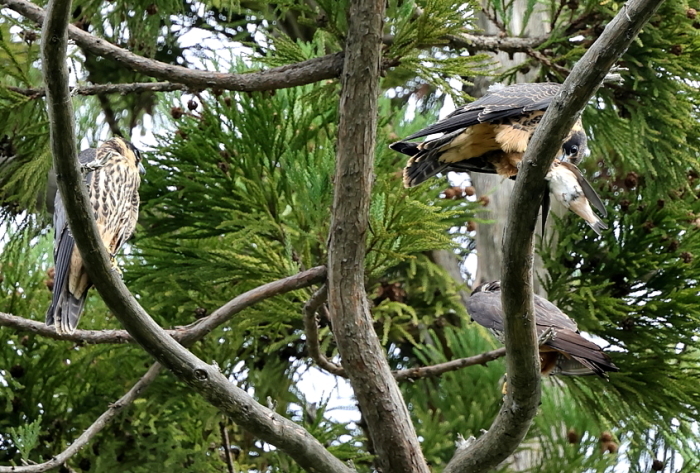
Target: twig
[(187, 334), (227, 447), (538, 56), (493, 16), (311, 327), (205, 379), (90, 433), (441, 368)]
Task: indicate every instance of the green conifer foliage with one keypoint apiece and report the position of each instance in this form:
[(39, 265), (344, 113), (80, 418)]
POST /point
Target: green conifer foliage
[(238, 193)]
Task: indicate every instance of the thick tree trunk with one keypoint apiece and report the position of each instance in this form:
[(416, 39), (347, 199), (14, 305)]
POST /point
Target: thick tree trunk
[(383, 408)]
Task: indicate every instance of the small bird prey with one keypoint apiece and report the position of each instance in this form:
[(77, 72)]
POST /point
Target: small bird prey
[(112, 179), (572, 190), (488, 135), (566, 352)]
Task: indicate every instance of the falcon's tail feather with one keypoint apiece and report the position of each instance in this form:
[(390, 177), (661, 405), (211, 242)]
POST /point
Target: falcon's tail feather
[(598, 367), (405, 147), (420, 168), (65, 311), (582, 352)]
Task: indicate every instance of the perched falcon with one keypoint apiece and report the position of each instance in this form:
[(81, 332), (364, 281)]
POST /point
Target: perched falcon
[(572, 190), (488, 135), (566, 353), (112, 179)]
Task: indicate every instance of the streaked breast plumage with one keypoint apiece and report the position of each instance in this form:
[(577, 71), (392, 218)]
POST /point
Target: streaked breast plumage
[(112, 179)]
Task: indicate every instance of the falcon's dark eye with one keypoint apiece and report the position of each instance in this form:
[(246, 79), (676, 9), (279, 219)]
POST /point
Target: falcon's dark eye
[(573, 149)]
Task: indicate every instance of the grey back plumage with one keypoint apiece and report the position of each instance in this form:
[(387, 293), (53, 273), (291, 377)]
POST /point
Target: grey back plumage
[(578, 356)]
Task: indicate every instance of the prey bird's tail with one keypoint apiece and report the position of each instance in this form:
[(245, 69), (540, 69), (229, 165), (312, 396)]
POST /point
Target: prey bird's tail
[(597, 225)]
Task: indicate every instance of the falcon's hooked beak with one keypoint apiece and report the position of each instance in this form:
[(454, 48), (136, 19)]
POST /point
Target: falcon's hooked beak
[(142, 170)]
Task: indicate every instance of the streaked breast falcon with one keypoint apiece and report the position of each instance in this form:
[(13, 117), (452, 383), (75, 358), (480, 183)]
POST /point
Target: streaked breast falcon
[(112, 178)]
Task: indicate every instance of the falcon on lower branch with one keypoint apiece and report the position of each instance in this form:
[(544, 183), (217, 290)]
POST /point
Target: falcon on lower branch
[(112, 179), (566, 352)]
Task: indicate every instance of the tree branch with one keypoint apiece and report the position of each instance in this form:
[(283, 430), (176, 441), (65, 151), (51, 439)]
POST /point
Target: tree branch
[(103, 421), (522, 360), (305, 72), (453, 365), (311, 328), (190, 335), (205, 379), (122, 89), (382, 406), (181, 78), (493, 43), (186, 335)]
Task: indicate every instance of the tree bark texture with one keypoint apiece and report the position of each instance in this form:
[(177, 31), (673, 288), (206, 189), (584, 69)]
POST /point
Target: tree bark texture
[(364, 360)]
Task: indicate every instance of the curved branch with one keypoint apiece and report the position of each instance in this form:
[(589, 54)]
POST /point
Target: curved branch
[(305, 72), (522, 360), (311, 328), (205, 379), (97, 426)]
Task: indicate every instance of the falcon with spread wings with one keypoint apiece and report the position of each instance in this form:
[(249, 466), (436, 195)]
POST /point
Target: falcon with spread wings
[(112, 178), (491, 135), (488, 135), (566, 352)]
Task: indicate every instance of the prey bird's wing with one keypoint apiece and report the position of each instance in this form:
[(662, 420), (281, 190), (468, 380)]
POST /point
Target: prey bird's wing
[(510, 101), (588, 190)]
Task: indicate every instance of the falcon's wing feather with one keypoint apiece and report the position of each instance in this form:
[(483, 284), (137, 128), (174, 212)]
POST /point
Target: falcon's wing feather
[(507, 102), (485, 309), (549, 315), (64, 306)]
